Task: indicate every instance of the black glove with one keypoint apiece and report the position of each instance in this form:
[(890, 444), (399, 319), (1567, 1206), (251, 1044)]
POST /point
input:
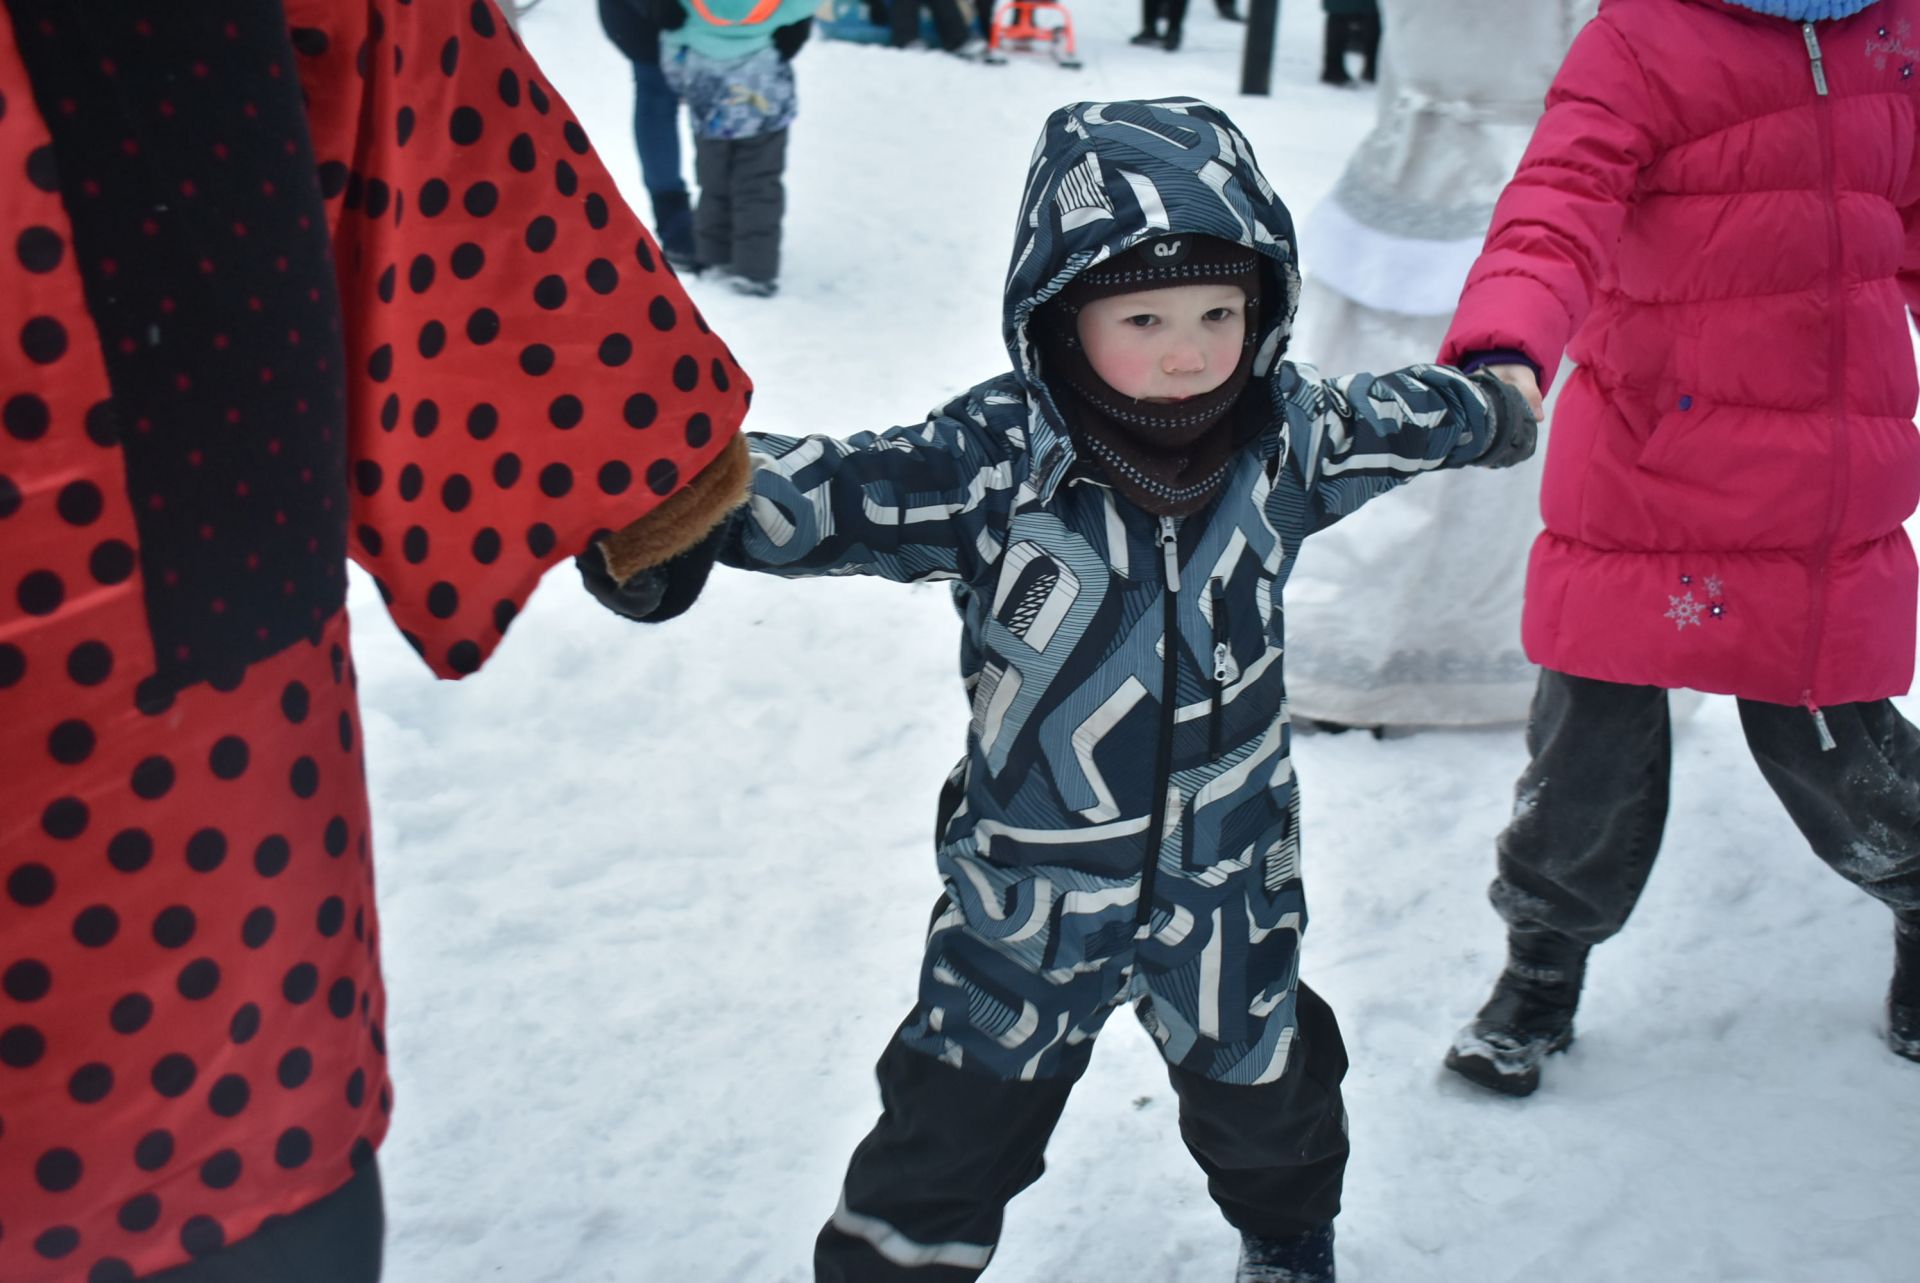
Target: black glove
[(660, 592), (788, 39), (668, 15), (1511, 423)]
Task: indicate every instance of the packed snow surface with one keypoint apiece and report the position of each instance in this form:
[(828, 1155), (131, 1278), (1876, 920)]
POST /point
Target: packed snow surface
[(654, 897)]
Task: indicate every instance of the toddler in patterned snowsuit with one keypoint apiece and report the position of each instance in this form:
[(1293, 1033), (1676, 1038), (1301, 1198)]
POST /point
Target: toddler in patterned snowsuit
[(1117, 516)]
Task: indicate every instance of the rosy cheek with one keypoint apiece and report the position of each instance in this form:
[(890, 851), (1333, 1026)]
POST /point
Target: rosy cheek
[(1124, 368)]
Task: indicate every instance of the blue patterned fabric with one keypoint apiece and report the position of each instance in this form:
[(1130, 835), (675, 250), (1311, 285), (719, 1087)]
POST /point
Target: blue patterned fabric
[(1805, 10), (735, 98), (1123, 826)]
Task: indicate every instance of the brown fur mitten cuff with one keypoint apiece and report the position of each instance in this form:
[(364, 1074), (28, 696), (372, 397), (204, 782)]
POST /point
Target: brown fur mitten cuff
[(683, 520)]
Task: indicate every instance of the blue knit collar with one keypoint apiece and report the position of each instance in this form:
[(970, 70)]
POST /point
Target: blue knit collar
[(1805, 10)]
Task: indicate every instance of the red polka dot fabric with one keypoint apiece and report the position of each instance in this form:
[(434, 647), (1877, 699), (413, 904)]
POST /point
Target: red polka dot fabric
[(496, 366)]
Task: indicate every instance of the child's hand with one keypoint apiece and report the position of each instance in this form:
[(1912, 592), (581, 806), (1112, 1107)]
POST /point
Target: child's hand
[(658, 593), (637, 598), (1514, 426), (1521, 377)]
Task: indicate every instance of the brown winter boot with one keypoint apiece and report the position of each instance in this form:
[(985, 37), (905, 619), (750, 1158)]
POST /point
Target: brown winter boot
[(1528, 1018)]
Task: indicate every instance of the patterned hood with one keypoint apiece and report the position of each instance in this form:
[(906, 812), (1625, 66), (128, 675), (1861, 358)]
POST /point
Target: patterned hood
[(1106, 175)]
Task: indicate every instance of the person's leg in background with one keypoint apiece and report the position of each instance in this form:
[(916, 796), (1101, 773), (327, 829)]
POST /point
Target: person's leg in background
[(1858, 805), (1176, 15), (1366, 38), (1333, 63), (713, 216), (656, 127), (756, 175), (1149, 23)]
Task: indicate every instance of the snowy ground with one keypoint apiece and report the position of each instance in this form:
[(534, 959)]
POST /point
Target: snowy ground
[(653, 899)]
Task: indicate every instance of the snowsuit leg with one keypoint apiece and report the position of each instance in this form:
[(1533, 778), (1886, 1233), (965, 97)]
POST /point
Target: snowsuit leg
[(713, 160), (336, 1240), (1858, 804), (1275, 1154), (755, 175), (927, 1189), (1589, 809)]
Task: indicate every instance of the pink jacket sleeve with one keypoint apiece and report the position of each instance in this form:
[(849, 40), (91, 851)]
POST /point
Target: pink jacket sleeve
[(1559, 219)]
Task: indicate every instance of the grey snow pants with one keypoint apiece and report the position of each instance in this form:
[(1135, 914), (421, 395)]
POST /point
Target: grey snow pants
[(1591, 805), (742, 198)]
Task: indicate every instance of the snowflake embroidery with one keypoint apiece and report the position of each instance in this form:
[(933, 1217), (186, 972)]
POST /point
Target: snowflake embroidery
[(1684, 610), (1714, 585), (1884, 45)]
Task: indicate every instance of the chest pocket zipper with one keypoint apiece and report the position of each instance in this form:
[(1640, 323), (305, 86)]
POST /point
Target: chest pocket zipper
[(1222, 659)]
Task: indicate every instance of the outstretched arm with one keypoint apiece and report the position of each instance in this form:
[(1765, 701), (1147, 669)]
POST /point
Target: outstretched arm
[(914, 503), (1353, 438)]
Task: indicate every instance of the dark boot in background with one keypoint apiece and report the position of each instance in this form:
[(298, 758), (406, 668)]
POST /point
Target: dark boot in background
[(673, 224), (1903, 997), (1149, 23), (1306, 1258), (1528, 1018)]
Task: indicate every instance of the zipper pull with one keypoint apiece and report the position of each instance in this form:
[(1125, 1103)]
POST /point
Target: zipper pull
[(1819, 82), (1220, 657), (1170, 550), (1827, 744)]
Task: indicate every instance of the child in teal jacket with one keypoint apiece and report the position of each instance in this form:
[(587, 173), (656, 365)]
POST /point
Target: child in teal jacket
[(730, 62)]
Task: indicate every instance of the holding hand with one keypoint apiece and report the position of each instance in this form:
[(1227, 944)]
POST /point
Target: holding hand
[(1523, 378), (1515, 414), (658, 593)]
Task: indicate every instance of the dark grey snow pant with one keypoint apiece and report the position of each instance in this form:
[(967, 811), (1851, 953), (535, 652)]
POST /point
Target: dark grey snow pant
[(1591, 805), (928, 1187), (742, 197)]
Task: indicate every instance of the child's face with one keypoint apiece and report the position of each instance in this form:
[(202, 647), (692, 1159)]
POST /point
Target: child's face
[(1167, 344)]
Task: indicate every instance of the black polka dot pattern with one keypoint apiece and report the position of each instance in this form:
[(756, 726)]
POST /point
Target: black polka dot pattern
[(182, 694)]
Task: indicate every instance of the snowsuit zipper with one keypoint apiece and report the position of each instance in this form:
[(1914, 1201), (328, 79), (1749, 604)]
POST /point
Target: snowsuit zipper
[(1221, 653), (1836, 362), (1169, 696)]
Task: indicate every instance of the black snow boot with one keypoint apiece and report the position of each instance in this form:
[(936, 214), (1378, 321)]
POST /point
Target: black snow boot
[(1903, 998), (1304, 1258), (1529, 1016)]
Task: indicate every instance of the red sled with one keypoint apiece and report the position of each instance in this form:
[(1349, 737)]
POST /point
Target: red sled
[(1030, 26)]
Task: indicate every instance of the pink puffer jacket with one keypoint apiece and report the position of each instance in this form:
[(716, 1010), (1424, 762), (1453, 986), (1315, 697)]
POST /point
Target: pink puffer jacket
[(1728, 231)]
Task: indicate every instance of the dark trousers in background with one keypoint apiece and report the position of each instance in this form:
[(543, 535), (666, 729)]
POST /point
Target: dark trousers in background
[(1592, 804), (656, 124), (950, 22), (742, 199), (927, 1189), (1359, 32), (336, 1240)]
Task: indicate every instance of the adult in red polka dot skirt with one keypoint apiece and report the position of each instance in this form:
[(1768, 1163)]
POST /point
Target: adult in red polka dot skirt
[(285, 283)]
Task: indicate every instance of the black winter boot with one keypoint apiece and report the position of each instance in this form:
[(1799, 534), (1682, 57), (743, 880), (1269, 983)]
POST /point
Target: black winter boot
[(1903, 997), (1304, 1258), (1528, 1018)]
